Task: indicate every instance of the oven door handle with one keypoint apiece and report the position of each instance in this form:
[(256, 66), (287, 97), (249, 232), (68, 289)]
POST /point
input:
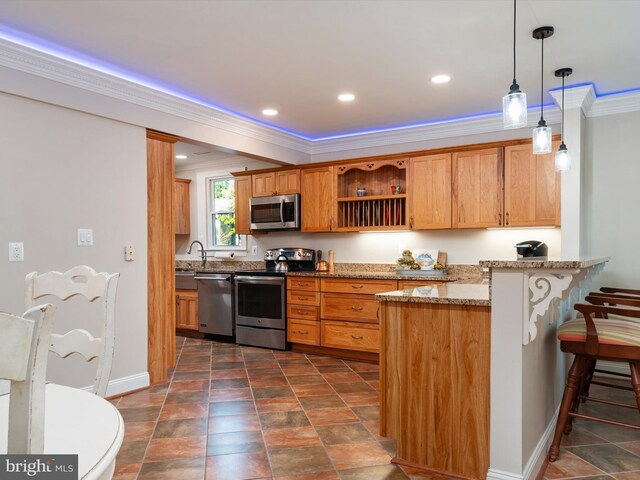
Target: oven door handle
[(261, 280), (282, 211)]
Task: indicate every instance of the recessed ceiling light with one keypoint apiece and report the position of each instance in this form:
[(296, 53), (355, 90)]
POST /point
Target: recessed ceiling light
[(346, 97), (181, 157), (440, 79), (270, 112)]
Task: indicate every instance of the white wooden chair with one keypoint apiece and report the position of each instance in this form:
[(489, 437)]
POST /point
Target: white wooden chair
[(84, 281), (45, 418), (23, 361)]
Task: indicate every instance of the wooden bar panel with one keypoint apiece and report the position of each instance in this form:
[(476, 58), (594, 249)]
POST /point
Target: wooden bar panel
[(435, 385)]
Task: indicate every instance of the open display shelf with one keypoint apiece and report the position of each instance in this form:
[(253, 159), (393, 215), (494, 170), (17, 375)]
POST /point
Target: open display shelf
[(379, 209)]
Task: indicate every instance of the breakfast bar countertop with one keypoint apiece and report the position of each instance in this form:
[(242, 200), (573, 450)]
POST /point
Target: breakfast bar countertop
[(470, 291)]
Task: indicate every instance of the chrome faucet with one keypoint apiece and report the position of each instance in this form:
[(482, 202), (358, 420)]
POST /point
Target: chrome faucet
[(202, 251)]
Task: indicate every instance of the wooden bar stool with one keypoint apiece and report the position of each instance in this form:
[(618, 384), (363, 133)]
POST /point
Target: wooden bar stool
[(609, 333)]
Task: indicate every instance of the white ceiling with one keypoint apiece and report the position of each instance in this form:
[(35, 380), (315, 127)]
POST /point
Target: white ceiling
[(296, 56)]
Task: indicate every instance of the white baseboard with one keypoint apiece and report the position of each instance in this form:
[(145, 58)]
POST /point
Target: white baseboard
[(494, 474), (542, 448), (122, 385), (536, 460)]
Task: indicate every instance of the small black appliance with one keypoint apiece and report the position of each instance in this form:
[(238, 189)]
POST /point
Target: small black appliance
[(532, 249)]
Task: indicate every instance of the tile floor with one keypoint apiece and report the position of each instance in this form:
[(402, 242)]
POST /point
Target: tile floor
[(235, 413)]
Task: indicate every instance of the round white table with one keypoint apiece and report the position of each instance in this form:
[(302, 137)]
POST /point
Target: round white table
[(77, 422)]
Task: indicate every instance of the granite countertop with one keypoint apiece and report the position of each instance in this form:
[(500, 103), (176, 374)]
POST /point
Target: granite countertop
[(528, 263), (377, 276), (473, 291)]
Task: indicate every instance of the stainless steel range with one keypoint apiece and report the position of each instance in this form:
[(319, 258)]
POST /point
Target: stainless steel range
[(261, 296)]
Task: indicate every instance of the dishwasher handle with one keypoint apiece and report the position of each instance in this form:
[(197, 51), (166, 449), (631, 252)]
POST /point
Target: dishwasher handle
[(214, 279)]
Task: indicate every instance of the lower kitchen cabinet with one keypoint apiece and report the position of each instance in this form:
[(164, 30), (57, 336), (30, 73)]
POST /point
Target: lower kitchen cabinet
[(304, 331), (351, 336), (337, 315), (187, 309)]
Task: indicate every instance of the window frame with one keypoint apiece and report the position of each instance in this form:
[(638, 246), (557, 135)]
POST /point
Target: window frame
[(210, 212)]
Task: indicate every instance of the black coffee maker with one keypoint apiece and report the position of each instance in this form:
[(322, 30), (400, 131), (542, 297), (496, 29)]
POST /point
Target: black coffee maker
[(532, 249)]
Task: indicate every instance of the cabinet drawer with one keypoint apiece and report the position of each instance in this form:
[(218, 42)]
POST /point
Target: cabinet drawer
[(303, 283), (404, 284), (303, 331), (306, 312), (302, 297), (351, 336), (352, 308), (353, 285)]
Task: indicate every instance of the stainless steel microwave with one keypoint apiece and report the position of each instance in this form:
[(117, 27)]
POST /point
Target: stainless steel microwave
[(277, 212)]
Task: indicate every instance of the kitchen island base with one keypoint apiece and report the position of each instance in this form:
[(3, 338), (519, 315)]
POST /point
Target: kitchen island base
[(434, 372)]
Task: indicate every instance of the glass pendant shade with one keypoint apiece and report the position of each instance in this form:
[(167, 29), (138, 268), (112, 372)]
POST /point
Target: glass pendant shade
[(514, 110), (563, 159), (541, 139)]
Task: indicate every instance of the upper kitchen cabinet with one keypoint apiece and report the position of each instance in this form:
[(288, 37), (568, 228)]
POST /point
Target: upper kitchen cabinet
[(182, 218), (283, 182), (317, 200), (372, 195), (531, 188), (477, 188), (243, 196), (429, 192)]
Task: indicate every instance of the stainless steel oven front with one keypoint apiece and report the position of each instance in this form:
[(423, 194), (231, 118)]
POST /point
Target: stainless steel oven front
[(261, 318)]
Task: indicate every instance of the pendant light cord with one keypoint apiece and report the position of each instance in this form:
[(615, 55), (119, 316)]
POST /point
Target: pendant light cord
[(562, 120), (542, 84), (514, 41)]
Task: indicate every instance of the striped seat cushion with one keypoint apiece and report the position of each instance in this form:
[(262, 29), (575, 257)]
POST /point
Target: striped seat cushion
[(614, 330)]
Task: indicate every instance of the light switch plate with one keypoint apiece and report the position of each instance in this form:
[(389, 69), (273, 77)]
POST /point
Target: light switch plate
[(85, 237), (16, 252)]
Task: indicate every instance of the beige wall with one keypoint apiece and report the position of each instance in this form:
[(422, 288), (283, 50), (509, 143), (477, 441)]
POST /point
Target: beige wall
[(611, 195), (63, 170)]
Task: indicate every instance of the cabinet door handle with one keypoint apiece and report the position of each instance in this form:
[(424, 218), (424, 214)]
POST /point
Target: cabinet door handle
[(499, 218), (302, 332), (177, 300), (507, 218), (303, 298), (357, 287), (411, 222), (356, 309), (357, 337), (301, 312), (302, 284)]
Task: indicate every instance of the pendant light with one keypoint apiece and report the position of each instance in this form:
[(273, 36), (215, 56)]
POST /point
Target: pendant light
[(514, 104), (542, 133), (563, 157)]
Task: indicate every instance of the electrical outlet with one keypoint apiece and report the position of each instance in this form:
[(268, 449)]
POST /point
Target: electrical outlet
[(16, 252), (254, 250), (129, 253)]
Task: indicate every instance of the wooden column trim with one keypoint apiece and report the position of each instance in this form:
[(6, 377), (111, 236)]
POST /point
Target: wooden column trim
[(160, 255)]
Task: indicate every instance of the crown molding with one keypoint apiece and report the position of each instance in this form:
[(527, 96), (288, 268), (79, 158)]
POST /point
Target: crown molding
[(582, 97), (34, 62), (31, 61), (489, 123), (619, 103)]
